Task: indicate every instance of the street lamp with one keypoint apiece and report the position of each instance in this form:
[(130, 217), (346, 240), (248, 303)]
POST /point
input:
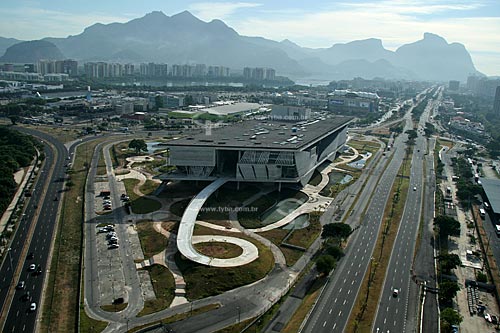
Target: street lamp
[(239, 313)]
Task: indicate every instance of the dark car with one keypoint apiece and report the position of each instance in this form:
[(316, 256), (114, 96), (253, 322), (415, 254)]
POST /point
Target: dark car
[(30, 256), (20, 285), (27, 296)]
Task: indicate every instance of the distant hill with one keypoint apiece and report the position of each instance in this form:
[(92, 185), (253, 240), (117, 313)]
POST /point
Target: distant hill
[(432, 58), (31, 52), (5, 43), (183, 38)]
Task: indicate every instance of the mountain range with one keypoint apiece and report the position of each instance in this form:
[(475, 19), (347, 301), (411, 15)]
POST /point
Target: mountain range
[(183, 38)]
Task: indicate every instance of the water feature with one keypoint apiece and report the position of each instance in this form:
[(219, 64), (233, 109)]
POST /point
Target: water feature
[(300, 222)]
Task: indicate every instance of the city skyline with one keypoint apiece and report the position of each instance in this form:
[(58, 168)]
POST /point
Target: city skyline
[(473, 23)]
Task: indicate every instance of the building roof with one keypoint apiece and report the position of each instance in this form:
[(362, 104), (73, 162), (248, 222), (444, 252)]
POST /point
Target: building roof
[(349, 93), (492, 189), (267, 134), (232, 108)]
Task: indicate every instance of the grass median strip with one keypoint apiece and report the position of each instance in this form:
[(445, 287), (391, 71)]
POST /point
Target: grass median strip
[(365, 308), (61, 304)]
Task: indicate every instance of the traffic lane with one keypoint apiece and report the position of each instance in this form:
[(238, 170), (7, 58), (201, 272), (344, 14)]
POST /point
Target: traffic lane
[(398, 271), (345, 292), (47, 213)]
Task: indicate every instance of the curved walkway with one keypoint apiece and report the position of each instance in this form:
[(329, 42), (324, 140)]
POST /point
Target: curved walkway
[(250, 251), (186, 228)]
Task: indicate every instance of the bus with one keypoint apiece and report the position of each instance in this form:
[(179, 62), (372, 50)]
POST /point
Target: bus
[(482, 212)]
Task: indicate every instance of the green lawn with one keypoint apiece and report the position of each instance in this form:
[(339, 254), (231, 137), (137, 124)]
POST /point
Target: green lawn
[(164, 286), (152, 241), (140, 205), (203, 281)]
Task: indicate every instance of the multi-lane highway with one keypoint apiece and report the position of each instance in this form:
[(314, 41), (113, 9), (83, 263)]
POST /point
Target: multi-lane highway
[(40, 218), (397, 309), (334, 307)]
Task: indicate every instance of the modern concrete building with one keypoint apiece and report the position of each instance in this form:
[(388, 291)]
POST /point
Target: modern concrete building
[(290, 113), (352, 101), (258, 151)]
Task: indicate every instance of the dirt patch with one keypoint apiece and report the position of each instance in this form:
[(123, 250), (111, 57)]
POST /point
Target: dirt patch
[(219, 250)]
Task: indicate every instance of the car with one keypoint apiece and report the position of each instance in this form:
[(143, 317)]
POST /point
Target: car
[(395, 293), (107, 197), (113, 246), (109, 236), (111, 241), (414, 188), (106, 202), (20, 285), (55, 199), (38, 270), (30, 256), (32, 268), (494, 319), (107, 207), (113, 238), (102, 230), (32, 307), (27, 296)]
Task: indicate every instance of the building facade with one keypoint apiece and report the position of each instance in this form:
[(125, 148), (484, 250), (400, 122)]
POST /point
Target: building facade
[(253, 151), (353, 101)]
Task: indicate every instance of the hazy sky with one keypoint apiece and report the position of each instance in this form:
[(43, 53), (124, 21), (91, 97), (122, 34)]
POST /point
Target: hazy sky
[(312, 23)]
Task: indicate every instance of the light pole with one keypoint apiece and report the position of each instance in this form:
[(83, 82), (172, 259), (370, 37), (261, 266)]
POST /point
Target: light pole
[(239, 313)]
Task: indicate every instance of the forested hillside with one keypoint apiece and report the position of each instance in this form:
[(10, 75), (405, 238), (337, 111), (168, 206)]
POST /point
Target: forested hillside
[(17, 150)]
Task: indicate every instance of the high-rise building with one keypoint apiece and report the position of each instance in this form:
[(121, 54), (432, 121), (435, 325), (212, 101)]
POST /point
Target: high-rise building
[(454, 85), (496, 103)]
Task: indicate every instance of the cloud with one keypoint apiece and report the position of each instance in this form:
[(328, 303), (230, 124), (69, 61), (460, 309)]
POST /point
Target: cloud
[(218, 10), (395, 22), (411, 7), (38, 23)]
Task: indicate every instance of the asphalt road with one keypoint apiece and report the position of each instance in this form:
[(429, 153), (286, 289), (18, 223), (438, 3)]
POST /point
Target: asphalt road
[(335, 304), (19, 319), (393, 313)]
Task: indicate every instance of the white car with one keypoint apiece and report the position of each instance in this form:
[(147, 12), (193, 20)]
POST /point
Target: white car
[(32, 307), (395, 293), (414, 188), (32, 268)]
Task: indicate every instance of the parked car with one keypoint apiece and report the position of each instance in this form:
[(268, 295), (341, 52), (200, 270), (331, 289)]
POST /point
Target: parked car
[(113, 246)]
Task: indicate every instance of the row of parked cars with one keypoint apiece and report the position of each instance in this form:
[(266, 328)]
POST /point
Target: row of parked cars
[(111, 236)]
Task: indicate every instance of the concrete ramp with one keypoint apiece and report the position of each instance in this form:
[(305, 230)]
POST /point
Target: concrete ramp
[(186, 227)]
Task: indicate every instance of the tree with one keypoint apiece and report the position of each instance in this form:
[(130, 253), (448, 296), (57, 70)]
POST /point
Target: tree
[(451, 316), (449, 262), (339, 230), (448, 226), (447, 291), (325, 264), (335, 251), (139, 145)]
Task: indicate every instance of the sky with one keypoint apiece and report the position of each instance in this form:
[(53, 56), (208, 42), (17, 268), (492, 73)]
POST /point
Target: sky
[(312, 23)]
